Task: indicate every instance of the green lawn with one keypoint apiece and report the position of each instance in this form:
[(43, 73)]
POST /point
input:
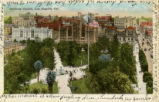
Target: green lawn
[(81, 60), (83, 85), (42, 88)]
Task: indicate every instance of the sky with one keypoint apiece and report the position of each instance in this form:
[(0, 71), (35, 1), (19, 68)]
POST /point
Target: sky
[(122, 9)]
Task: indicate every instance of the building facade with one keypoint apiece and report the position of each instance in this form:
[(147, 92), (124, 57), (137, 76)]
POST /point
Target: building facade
[(23, 22), (71, 29), (8, 29), (124, 36), (124, 22), (10, 47), (31, 33)]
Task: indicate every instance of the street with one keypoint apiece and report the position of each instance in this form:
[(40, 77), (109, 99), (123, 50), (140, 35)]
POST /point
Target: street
[(145, 47), (141, 84)]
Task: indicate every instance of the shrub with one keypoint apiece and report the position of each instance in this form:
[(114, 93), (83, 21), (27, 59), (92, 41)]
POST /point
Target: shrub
[(143, 61), (44, 90), (147, 77), (35, 90), (149, 87)]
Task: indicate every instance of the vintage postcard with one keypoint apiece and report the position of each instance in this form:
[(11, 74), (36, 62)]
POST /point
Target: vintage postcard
[(77, 50)]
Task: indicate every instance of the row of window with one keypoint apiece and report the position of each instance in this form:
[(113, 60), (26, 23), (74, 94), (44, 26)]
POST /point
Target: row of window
[(124, 39), (32, 34)]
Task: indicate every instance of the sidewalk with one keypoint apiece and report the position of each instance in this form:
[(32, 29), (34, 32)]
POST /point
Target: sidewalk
[(141, 84)]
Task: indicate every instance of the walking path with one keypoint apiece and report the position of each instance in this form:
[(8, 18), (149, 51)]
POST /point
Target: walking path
[(62, 80), (141, 84)]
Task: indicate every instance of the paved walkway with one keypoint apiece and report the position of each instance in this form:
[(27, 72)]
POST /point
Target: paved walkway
[(42, 76), (62, 80), (141, 84)]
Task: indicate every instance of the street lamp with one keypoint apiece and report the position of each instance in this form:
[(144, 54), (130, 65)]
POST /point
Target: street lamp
[(82, 56)]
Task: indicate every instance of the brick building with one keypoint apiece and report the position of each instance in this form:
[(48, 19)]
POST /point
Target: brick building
[(71, 29)]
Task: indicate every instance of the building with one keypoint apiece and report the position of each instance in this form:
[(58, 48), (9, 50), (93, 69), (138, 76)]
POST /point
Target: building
[(120, 22), (124, 22), (7, 38), (42, 19), (10, 47), (131, 22), (124, 36), (145, 25), (24, 20), (8, 29), (31, 33), (104, 20), (71, 29)]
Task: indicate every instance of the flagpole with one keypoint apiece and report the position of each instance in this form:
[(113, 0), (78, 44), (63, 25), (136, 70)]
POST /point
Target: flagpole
[(88, 47), (88, 42)]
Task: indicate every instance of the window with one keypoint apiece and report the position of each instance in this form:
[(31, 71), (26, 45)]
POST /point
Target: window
[(124, 39), (32, 33), (69, 31), (26, 33), (83, 31), (21, 33)]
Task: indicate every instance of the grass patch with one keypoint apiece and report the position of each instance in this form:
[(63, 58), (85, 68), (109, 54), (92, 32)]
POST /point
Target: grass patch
[(42, 88), (136, 92), (83, 84), (81, 60)]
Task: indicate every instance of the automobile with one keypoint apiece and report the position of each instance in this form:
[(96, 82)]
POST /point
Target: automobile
[(151, 55), (142, 43), (74, 78), (136, 39), (149, 49)]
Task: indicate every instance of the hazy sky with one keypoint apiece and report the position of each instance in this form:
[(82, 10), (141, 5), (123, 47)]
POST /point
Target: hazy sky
[(123, 9)]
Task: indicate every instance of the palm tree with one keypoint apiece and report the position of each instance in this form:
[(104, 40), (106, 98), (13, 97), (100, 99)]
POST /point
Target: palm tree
[(38, 65), (51, 76)]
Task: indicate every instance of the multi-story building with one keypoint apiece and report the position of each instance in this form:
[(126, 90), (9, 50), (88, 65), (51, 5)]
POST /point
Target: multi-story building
[(71, 29), (146, 29), (24, 20), (7, 32), (125, 35), (8, 29), (124, 22), (131, 22), (10, 47), (120, 22), (145, 26), (7, 38), (31, 33)]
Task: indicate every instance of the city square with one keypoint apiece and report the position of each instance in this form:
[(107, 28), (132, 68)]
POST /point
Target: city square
[(84, 52)]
